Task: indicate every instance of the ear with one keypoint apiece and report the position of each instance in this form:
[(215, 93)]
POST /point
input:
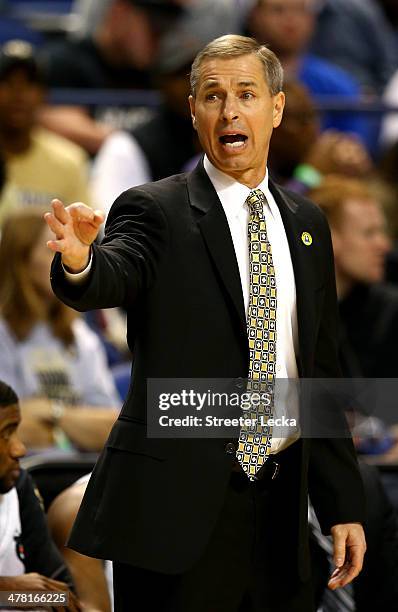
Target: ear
[(279, 105), (191, 101)]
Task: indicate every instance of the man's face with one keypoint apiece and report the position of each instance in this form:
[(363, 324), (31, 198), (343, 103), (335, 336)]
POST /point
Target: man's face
[(135, 40), (235, 114), (11, 447), (361, 242), (285, 25), (20, 98)]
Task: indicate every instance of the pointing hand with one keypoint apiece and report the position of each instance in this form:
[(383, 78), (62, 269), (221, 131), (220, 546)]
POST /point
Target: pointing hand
[(75, 228)]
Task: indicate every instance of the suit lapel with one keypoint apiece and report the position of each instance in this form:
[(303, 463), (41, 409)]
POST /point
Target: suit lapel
[(214, 228), (302, 256)]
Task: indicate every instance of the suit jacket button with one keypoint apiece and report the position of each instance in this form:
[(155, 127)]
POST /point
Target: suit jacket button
[(230, 448)]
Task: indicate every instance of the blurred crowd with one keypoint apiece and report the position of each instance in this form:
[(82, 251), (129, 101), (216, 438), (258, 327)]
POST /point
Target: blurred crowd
[(89, 111)]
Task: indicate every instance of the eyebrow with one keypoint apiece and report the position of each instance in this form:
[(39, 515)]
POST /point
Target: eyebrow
[(213, 83), (247, 84), (8, 425)]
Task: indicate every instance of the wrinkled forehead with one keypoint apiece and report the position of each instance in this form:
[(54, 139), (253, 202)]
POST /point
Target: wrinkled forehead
[(238, 71)]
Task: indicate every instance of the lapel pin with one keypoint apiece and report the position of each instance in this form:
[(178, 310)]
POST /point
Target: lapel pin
[(306, 238)]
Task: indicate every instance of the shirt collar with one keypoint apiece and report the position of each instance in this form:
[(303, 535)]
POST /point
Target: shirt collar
[(233, 194)]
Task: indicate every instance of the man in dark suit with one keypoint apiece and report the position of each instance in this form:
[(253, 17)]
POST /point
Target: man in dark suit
[(224, 275)]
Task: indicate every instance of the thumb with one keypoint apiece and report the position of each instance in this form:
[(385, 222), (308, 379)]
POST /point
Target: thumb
[(99, 217)]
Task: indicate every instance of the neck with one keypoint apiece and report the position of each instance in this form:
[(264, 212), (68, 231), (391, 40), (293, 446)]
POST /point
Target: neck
[(251, 180), (251, 177)]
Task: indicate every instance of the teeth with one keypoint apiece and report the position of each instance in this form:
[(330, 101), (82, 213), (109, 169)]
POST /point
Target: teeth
[(236, 144)]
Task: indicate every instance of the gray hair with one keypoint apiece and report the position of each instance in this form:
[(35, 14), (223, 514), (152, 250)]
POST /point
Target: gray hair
[(233, 45)]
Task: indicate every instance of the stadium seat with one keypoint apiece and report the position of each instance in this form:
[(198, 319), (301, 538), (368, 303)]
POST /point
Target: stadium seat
[(52, 474)]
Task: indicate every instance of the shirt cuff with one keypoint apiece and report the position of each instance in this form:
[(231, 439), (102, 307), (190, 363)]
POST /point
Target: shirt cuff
[(78, 277)]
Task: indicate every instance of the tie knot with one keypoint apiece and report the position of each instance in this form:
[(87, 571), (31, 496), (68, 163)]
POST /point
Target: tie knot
[(255, 201)]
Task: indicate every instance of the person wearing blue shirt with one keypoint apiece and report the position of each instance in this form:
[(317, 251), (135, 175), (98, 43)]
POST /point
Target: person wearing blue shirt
[(287, 27)]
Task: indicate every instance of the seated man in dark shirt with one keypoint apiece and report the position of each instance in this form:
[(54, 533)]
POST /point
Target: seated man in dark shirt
[(287, 26), (300, 155), (119, 55), (356, 35), (29, 560), (368, 306)]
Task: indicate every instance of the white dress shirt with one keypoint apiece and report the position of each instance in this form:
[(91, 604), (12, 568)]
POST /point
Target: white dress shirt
[(232, 196)]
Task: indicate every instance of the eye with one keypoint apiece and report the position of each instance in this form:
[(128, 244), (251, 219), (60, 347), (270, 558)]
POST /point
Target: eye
[(211, 97), (247, 95), (7, 433)]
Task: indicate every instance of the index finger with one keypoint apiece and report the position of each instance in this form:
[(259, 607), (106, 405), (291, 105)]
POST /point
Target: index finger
[(350, 570), (356, 558), (59, 211)]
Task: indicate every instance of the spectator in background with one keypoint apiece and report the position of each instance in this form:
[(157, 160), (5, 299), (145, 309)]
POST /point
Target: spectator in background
[(51, 358), (118, 55), (29, 560), (8, 193), (389, 129), (287, 26), (388, 177), (39, 164), (300, 155), (368, 306), (90, 12), (163, 145), (390, 9), (355, 35), (166, 143), (204, 19), (381, 560), (92, 577), (368, 345)]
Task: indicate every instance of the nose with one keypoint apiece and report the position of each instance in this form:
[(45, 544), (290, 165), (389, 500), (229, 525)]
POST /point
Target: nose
[(229, 110), (17, 448), (384, 243)]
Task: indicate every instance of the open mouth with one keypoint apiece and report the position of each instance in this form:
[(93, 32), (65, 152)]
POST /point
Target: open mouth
[(233, 141)]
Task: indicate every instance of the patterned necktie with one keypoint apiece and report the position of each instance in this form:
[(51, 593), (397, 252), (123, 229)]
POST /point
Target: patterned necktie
[(255, 439)]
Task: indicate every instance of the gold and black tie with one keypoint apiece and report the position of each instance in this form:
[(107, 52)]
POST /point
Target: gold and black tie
[(255, 438)]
